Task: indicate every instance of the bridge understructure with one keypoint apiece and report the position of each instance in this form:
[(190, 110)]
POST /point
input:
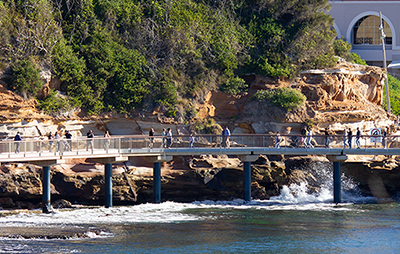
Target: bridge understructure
[(120, 149), (157, 160)]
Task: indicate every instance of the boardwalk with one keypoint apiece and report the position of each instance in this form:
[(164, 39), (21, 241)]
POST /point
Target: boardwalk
[(118, 149), (131, 146)]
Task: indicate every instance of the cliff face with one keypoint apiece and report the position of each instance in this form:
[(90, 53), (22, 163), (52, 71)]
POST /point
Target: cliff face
[(347, 96)]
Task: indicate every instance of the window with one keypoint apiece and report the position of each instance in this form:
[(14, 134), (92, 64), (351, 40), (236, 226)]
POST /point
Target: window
[(366, 31)]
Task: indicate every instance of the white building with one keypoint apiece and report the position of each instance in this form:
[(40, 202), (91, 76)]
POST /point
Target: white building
[(358, 22)]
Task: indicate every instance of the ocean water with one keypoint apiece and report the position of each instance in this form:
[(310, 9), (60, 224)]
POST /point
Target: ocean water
[(297, 221)]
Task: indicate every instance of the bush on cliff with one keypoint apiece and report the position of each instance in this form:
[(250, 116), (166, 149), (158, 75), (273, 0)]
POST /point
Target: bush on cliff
[(394, 95), (287, 98), (342, 48), (54, 103), (25, 80)]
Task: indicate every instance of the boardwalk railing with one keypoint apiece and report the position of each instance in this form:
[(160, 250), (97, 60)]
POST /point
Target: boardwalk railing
[(35, 147)]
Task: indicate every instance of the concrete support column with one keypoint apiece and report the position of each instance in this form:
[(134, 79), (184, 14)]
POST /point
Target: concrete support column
[(108, 161), (157, 182), (46, 190), (247, 159), (157, 175), (108, 184), (247, 181), (336, 182), (336, 159)]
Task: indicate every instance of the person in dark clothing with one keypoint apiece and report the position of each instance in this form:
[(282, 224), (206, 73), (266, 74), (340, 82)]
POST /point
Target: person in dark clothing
[(358, 137), (68, 144), (327, 140), (349, 137), (89, 142), (303, 136), (51, 142), (384, 141), (151, 134), (17, 140)]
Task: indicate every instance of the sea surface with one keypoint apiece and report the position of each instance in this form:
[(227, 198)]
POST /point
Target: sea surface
[(297, 221)]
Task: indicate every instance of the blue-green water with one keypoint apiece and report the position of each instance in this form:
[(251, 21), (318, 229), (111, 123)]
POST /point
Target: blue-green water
[(275, 226)]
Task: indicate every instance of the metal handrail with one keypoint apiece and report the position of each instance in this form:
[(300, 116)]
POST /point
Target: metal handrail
[(59, 147)]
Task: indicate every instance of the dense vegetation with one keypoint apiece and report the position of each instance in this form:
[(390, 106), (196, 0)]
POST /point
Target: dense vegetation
[(394, 95), (118, 55), (287, 98)]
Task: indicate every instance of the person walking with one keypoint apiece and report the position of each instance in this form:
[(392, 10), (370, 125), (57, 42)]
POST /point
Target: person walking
[(191, 141), (50, 137), (358, 137), (303, 136), (278, 140), (327, 140), (384, 140), (106, 143), (349, 137), (344, 138), (68, 143), (169, 138), (151, 134), (164, 139), (309, 138), (89, 142), (226, 133), (57, 142), (17, 140)]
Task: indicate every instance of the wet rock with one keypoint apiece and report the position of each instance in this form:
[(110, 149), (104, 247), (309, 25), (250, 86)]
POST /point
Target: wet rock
[(61, 203)]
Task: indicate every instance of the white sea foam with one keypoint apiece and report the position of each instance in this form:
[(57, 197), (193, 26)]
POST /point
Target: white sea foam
[(151, 213), (292, 197)]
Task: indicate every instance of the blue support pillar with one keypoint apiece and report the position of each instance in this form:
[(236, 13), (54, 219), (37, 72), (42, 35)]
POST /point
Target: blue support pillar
[(46, 190), (247, 180), (336, 182), (157, 182), (108, 187)]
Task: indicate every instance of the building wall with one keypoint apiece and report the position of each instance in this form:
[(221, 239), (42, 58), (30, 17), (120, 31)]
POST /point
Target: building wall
[(347, 13)]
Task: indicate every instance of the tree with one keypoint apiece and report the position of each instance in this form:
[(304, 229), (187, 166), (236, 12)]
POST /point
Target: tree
[(25, 78)]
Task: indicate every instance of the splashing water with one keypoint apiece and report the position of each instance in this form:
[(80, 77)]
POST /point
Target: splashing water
[(322, 173)]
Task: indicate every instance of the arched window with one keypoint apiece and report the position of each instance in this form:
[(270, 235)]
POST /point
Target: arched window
[(366, 31)]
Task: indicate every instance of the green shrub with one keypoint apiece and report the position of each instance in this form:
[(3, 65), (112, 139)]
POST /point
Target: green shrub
[(287, 98), (25, 78), (53, 103), (394, 94), (357, 59), (207, 126), (234, 85), (342, 48)]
